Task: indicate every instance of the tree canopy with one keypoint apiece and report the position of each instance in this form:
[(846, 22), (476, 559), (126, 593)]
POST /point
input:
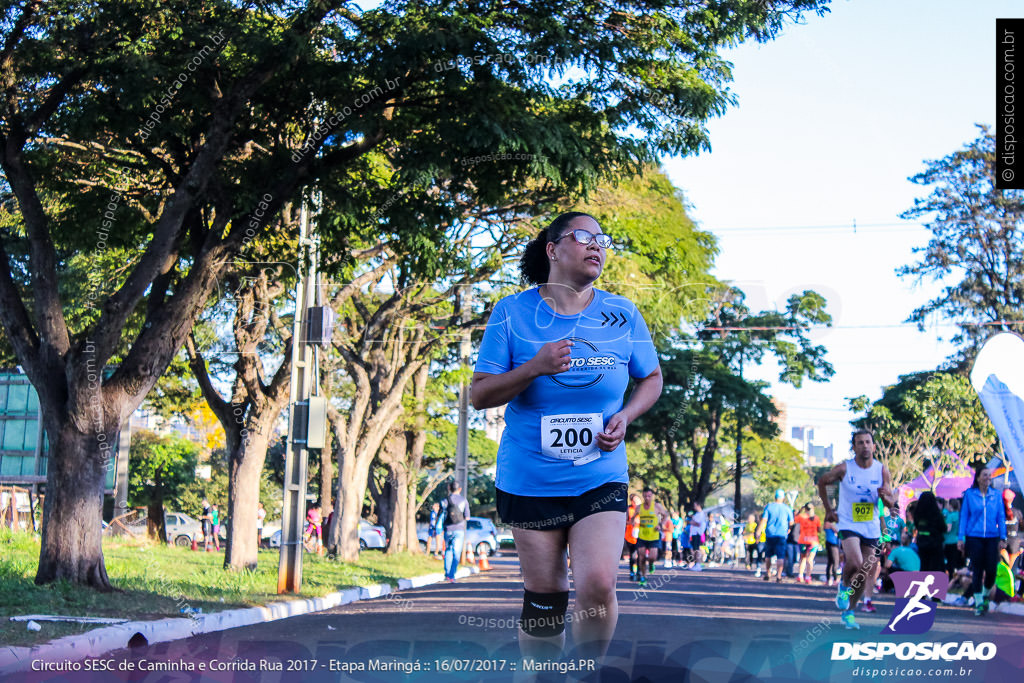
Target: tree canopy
[(977, 238)]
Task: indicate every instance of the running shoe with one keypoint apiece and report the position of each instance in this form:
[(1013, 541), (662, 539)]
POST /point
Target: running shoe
[(698, 568), (843, 597), (848, 621), (757, 574), (868, 606), (766, 577), (643, 581), (632, 576)]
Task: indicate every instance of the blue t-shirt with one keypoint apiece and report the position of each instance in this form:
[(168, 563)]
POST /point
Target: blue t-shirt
[(778, 518), (905, 559), (611, 343)]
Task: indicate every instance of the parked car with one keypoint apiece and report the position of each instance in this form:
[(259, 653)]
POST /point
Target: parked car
[(505, 539), (481, 535), (181, 528), (371, 537)]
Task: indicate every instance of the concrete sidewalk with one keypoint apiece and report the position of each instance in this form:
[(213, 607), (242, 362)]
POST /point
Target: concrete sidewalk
[(135, 633)]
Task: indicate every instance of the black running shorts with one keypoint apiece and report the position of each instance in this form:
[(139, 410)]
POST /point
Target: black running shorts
[(559, 512), (870, 542)]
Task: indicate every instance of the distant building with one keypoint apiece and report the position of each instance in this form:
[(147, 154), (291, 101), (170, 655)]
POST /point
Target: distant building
[(815, 455), (782, 419)]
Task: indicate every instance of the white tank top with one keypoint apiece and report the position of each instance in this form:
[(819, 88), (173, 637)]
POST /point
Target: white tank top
[(858, 499)]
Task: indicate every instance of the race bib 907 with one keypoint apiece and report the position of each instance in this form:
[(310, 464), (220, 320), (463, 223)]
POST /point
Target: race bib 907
[(863, 512), (571, 437)]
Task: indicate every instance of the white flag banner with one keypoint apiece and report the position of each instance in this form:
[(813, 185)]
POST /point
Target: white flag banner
[(998, 377)]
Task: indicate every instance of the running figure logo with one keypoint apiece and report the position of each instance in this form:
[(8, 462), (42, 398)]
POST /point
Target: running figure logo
[(915, 611)]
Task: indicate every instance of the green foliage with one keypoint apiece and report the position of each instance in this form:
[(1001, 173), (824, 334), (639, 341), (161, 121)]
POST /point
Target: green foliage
[(705, 391), (159, 466), (925, 417), (215, 489), (649, 465), (660, 261), (977, 238), (776, 464), (441, 442)]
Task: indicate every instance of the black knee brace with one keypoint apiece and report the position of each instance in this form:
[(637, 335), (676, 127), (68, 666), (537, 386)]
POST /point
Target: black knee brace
[(544, 613)]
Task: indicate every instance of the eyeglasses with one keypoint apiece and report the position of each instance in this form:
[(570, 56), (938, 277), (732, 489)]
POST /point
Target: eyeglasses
[(585, 237)]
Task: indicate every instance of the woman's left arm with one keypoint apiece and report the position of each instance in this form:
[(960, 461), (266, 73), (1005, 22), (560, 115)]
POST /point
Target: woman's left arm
[(645, 393)]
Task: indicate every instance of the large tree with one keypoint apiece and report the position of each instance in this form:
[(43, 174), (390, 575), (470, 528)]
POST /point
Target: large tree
[(705, 388), (977, 238), (927, 417), (177, 130), (159, 469)]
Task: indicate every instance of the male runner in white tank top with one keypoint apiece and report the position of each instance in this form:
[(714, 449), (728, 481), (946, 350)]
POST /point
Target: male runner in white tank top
[(862, 481)]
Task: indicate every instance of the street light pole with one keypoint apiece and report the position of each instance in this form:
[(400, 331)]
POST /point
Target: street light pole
[(304, 375), (738, 495), (462, 435)]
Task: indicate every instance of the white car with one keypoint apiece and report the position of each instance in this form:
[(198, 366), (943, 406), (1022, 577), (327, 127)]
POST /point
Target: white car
[(371, 537), (181, 528), (481, 535)]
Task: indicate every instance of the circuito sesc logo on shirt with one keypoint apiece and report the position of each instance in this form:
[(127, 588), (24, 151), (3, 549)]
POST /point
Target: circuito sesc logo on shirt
[(587, 366)]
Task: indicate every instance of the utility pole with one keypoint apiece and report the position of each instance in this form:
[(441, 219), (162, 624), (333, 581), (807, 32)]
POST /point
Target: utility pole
[(304, 377), (738, 495), (462, 436)]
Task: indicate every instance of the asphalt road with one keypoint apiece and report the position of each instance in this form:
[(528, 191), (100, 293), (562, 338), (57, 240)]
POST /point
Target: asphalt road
[(721, 624)]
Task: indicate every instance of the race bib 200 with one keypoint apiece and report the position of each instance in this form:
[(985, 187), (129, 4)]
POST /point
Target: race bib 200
[(572, 436)]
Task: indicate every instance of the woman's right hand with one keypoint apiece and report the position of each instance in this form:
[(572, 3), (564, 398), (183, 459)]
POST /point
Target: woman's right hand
[(553, 358)]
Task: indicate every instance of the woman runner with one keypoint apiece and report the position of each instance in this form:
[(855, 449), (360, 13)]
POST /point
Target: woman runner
[(561, 354)]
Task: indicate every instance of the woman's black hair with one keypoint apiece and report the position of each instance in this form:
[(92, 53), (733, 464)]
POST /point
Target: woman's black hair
[(977, 473), (533, 265), (928, 511)]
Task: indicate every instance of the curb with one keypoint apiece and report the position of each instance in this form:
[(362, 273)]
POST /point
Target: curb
[(102, 640)]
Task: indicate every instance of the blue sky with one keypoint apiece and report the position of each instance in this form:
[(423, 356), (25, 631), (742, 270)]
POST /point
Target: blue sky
[(833, 117)]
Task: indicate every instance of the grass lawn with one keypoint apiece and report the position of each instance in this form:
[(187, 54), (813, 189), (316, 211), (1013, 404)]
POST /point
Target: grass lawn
[(156, 581)]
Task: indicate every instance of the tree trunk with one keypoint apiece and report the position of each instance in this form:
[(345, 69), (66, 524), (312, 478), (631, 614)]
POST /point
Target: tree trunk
[(246, 464), (417, 441), (399, 538), (71, 546), (349, 506), (156, 524), (326, 476)]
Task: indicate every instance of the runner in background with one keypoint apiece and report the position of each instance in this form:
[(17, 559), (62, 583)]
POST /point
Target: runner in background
[(862, 482), (750, 541), (632, 529), (666, 539), (775, 522), (810, 528), (832, 550), (678, 526), (698, 527), (650, 515)]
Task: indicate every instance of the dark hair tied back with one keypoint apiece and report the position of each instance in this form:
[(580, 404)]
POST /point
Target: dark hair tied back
[(533, 265)]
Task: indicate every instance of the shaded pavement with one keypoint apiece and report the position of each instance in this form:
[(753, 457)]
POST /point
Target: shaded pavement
[(721, 624)]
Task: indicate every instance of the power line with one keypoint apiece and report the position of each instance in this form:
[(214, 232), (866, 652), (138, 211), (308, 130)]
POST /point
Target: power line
[(853, 228)]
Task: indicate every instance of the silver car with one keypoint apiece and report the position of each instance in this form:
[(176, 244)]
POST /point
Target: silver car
[(181, 528), (481, 535), (371, 537)]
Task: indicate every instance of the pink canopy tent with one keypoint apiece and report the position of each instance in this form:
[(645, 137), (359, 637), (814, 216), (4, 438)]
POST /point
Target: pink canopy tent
[(949, 484)]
